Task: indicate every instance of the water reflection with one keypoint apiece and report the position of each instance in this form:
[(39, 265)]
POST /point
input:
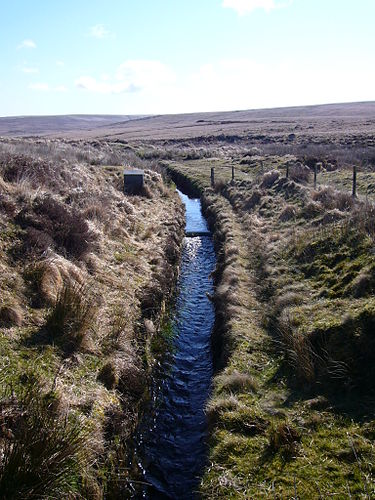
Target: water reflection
[(173, 450), (195, 222)]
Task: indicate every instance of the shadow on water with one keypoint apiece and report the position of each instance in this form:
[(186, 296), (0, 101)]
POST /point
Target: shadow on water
[(172, 437)]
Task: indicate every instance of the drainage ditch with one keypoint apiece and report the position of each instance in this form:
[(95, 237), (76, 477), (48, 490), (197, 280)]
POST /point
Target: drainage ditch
[(172, 449)]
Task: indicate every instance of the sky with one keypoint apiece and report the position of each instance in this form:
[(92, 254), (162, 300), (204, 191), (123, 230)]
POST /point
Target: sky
[(177, 56)]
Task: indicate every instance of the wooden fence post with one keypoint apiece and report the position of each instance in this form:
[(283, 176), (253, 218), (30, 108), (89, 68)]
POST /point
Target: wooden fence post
[(232, 173), (354, 192), (287, 170), (212, 177), (315, 173)]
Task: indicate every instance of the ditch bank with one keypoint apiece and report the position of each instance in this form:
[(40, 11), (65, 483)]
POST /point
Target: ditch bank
[(171, 444), (225, 276)]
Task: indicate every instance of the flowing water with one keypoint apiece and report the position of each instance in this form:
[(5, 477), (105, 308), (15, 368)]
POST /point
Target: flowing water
[(172, 438)]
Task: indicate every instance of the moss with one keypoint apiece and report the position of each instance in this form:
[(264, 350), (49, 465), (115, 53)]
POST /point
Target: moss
[(333, 261)]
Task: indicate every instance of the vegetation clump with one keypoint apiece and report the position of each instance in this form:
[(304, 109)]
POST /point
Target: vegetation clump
[(71, 317), (50, 223), (44, 453)]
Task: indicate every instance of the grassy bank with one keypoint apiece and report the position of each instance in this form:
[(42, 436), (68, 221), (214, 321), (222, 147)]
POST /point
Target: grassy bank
[(85, 273), (291, 413)]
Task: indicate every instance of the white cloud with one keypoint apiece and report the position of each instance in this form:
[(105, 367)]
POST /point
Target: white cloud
[(229, 84), (29, 69), (145, 74), (102, 87), (246, 6), (60, 64), (27, 44), (143, 87), (39, 86), (131, 76), (45, 87), (99, 31), (246, 83)]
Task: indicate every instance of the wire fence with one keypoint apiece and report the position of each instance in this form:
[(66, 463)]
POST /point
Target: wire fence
[(297, 172)]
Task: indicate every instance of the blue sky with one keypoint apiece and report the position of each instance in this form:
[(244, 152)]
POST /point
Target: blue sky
[(171, 56)]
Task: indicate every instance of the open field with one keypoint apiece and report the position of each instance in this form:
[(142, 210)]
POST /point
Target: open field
[(46, 125), (292, 411), (336, 121)]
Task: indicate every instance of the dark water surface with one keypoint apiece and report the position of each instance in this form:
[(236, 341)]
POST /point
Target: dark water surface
[(172, 439)]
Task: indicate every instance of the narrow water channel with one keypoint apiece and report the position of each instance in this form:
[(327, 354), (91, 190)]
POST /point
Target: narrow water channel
[(172, 441)]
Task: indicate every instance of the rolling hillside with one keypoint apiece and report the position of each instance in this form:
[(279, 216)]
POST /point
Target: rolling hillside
[(324, 120)]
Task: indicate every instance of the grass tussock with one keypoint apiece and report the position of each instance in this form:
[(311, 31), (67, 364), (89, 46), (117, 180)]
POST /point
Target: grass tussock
[(269, 178), (11, 315), (299, 173), (18, 168), (235, 382), (284, 438), (72, 316), (43, 452), (288, 213), (298, 350), (331, 199)]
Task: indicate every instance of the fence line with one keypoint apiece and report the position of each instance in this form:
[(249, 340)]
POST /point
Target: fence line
[(287, 175)]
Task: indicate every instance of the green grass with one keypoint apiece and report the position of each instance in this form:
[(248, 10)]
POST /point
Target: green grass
[(278, 436), (44, 453), (342, 179)]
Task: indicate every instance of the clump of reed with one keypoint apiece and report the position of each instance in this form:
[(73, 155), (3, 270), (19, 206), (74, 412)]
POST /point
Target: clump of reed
[(44, 451), (71, 317), (331, 198)]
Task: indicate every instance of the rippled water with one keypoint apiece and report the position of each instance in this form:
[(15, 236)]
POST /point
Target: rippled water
[(194, 218), (172, 438)]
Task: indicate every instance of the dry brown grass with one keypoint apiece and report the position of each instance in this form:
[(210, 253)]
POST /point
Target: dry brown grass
[(83, 308), (289, 212), (47, 277), (71, 317), (11, 315), (331, 198), (235, 382), (299, 173), (298, 350), (269, 178), (285, 438), (363, 218)]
